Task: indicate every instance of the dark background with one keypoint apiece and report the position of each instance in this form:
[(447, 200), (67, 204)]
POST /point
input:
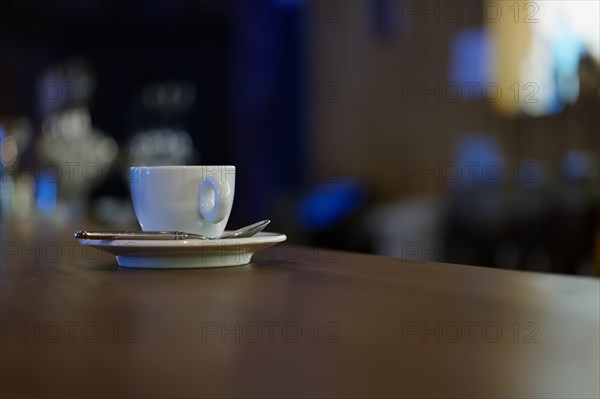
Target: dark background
[(313, 103)]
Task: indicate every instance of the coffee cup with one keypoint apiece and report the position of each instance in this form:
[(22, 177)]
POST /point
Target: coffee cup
[(192, 199)]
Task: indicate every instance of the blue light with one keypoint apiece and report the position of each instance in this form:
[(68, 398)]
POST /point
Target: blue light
[(479, 149), (575, 165), (480, 159), (289, 3), (330, 203), (2, 135), (470, 51), (567, 50), (46, 195)]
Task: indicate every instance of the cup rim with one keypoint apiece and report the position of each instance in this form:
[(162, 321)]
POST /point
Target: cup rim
[(182, 167)]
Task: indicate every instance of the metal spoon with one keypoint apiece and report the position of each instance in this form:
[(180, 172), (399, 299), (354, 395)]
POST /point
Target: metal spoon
[(247, 231)]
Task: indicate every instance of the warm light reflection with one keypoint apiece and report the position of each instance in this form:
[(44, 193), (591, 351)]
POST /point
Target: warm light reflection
[(538, 51)]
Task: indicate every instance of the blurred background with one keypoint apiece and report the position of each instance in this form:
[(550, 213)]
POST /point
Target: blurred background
[(461, 132)]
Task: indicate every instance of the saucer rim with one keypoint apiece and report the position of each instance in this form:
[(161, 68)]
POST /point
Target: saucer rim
[(264, 237)]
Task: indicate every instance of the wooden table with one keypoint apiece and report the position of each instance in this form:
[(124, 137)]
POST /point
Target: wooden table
[(298, 322)]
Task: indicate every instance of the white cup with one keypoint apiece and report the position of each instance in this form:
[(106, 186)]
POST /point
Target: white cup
[(193, 199)]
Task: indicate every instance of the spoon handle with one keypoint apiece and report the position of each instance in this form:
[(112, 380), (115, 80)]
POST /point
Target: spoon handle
[(247, 231), (137, 235)]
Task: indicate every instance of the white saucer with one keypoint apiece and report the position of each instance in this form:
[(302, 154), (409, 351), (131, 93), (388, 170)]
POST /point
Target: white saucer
[(163, 254)]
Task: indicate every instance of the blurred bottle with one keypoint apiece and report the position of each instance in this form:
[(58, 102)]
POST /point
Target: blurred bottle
[(162, 138), (73, 155), (16, 192)]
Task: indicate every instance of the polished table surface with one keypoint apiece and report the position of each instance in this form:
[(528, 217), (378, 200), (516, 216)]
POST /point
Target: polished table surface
[(297, 322)]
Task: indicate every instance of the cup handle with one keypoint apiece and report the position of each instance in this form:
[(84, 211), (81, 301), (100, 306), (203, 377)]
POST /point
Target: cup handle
[(214, 210)]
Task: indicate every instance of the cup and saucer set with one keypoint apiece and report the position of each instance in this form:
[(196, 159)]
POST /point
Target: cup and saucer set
[(183, 211)]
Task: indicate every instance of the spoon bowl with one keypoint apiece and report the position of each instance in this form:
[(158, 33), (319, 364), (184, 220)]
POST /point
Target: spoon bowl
[(247, 231)]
